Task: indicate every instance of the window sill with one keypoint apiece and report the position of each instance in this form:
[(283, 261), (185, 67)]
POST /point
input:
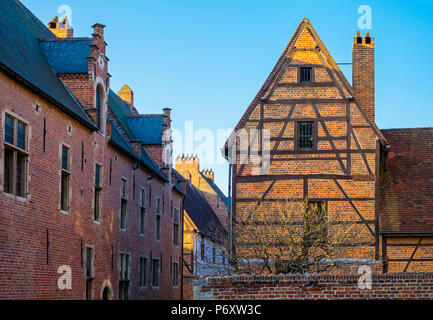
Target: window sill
[(17, 198), (63, 212), (97, 222)]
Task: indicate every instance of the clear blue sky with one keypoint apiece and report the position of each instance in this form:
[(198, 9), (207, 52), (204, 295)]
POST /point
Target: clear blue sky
[(208, 59)]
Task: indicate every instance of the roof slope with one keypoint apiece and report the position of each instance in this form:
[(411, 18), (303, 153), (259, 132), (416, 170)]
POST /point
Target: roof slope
[(118, 140), (153, 125), (202, 214), (406, 187), (217, 190), (144, 128), (304, 25), (68, 55), (22, 55)]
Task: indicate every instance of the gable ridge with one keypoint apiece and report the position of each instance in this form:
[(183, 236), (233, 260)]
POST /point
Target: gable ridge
[(305, 24)]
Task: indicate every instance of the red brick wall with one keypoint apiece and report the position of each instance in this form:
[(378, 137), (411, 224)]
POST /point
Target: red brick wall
[(315, 287), (24, 270)]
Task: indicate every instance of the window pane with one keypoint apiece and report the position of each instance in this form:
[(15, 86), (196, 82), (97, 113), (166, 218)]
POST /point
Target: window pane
[(176, 234), (158, 227), (142, 220), (97, 176), (21, 175), (143, 268), (158, 206), (306, 74), (306, 135), (155, 273), (123, 213), (89, 289), (123, 188), (65, 158), (9, 130), (64, 189), (21, 138), (143, 197), (8, 173), (97, 204), (88, 262), (175, 274), (98, 108)]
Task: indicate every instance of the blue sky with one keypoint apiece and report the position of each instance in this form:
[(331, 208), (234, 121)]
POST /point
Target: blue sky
[(207, 59)]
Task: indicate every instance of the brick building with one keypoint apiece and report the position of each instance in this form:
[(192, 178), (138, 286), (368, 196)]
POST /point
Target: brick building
[(83, 187), (205, 229), (324, 146)]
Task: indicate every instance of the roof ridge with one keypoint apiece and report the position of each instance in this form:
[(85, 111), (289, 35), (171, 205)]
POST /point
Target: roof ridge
[(343, 78), (268, 80)]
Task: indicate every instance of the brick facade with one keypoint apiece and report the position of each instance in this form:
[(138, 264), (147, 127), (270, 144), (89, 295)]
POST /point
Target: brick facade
[(340, 168), (37, 237), (315, 287)]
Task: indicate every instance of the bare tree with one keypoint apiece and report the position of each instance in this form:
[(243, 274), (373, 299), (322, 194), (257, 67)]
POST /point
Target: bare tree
[(291, 237)]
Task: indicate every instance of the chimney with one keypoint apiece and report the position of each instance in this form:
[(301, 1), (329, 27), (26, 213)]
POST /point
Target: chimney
[(167, 117), (61, 29), (126, 95), (363, 72)]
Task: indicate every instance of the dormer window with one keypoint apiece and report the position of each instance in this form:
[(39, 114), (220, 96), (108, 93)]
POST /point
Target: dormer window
[(306, 74)]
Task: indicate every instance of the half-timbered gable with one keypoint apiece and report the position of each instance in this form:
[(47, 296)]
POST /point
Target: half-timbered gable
[(309, 138)]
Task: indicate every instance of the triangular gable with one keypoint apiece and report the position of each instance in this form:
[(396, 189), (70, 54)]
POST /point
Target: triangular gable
[(305, 37)]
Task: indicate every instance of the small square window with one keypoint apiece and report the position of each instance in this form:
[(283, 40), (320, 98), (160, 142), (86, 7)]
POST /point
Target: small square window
[(306, 135), (306, 74)]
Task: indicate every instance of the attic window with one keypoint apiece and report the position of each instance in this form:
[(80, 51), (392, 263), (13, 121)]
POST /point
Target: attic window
[(305, 74), (53, 25), (368, 40), (359, 40)]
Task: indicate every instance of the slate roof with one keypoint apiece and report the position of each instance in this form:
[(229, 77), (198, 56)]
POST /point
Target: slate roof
[(22, 56), (144, 128), (406, 187), (119, 141), (147, 128), (202, 214), (68, 55)]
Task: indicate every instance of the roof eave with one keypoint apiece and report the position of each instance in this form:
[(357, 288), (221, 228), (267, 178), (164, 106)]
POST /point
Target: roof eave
[(27, 83)]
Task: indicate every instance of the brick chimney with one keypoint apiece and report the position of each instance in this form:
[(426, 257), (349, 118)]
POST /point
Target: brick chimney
[(363, 72), (61, 29), (167, 117)]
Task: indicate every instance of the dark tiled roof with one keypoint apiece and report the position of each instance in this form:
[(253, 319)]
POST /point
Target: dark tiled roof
[(217, 190), (144, 128), (69, 55), (406, 187), (121, 111), (201, 213), (22, 55), (119, 141), (153, 124)]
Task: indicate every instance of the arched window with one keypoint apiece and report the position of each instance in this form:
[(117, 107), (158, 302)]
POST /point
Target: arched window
[(99, 105)]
